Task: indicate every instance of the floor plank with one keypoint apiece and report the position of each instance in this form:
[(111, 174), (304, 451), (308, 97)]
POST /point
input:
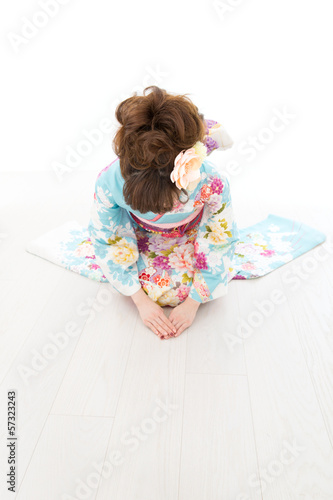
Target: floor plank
[(286, 412), (310, 297), (39, 367), (95, 374), (218, 448), (67, 458), (252, 418), (208, 343), (148, 421), (18, 313)]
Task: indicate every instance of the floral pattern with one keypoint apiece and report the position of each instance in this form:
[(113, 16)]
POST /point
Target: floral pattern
[(169, 266), (261, 249)]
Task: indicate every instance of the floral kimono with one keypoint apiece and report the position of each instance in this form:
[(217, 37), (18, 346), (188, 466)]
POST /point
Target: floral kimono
[(194, 250), (188, 251)]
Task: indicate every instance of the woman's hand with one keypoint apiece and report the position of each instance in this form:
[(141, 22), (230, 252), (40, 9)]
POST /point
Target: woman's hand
[(153, 315), (183, 315)]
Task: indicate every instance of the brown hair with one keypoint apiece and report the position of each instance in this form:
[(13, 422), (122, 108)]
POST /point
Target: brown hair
[(154, 129)]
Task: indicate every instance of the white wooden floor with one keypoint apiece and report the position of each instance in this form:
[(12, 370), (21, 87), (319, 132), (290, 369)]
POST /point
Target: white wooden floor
[(227, 411)]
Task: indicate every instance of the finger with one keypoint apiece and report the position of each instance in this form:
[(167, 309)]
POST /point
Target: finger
[(160, 326), (166, 335), (169, 336), (166, 324), (170, 323), (174, 331), (178, 323), (181, 329), (156, 328), (153, 329)]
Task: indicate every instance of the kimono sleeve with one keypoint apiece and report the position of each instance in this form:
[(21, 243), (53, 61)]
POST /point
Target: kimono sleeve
[(114, 240), (216, 137), (216, 240)]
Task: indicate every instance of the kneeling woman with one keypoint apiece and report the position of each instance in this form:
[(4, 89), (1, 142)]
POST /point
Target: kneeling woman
[(162, 223)]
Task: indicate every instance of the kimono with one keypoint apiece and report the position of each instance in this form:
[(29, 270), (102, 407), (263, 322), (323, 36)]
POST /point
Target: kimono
[(185, 252)]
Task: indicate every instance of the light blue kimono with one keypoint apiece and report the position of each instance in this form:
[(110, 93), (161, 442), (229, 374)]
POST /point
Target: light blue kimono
[(197, 264)]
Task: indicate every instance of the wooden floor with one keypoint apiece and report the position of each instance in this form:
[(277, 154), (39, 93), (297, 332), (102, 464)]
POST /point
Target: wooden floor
[(239, 407)]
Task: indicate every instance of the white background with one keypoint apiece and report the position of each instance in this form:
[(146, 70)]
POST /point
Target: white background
[(238, 60), (238, 67)]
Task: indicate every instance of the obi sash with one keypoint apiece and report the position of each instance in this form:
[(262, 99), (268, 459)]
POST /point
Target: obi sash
[(171, 229)]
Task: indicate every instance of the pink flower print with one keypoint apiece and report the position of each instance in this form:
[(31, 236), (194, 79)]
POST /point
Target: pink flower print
[(216, 185), (202, 289), (181, 258), (201, 261), (94, 266), (162, 261), (183, 292), (248, 266), (268, 253)]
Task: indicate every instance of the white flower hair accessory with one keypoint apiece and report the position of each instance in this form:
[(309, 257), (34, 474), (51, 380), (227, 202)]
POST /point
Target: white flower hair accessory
[(186, 171)]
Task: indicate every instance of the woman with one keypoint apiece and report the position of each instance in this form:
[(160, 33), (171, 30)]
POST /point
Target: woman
[(162, 223)]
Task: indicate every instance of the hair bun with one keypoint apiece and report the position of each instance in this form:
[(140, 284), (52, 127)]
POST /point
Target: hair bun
[(154, 128)]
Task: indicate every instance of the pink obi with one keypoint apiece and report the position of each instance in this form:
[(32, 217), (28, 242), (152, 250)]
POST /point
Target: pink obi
[(171, 229)]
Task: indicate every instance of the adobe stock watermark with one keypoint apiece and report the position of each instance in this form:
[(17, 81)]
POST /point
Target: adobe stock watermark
[(225, 7), (93, 138), (246, 327), (275, 468), (308, 265), (40, 359), (31, 28), (266, 308), (254, 144), (131, 440)]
